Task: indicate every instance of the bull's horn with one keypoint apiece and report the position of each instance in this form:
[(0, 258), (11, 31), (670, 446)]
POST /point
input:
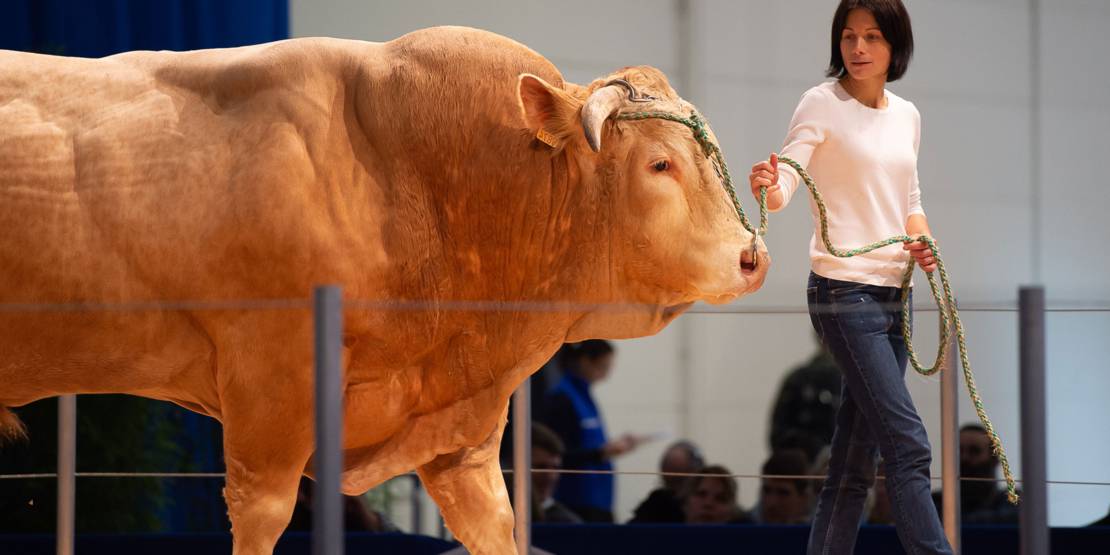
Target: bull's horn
[(599, 106)]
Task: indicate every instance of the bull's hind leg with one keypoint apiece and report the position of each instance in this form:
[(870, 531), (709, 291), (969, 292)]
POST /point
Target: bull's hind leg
[(266, 399), (470, 491)]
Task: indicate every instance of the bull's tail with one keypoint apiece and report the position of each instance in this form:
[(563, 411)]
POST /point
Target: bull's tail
[(11, 428)]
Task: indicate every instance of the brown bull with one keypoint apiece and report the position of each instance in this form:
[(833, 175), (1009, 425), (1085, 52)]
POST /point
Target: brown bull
[(403, 171)]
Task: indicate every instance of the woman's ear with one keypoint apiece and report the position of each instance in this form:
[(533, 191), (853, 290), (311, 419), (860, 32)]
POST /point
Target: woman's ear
[(550, 113)]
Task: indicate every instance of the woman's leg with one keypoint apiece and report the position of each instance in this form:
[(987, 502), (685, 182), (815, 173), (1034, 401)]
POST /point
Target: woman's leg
[(852, 458), (908, 485), (851, 473), (856, 324)]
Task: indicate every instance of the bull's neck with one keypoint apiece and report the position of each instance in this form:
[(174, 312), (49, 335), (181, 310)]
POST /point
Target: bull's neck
[(537, 232)]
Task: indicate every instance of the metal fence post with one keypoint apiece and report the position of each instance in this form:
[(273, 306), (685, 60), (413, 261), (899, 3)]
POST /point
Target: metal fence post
[(67, 471), (522, 464), (1034, 503), (950, 446), (327, 518)]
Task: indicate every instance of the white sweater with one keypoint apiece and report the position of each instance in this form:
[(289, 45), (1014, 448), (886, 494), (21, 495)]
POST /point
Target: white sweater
[(864, 162)]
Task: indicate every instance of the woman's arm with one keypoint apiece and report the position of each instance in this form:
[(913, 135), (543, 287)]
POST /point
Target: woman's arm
[(807, 130), (916, 223)]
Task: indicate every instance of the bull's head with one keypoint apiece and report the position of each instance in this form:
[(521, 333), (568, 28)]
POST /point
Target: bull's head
[(677, 237)]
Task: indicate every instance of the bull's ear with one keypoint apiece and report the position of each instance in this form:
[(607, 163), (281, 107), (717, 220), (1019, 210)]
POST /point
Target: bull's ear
[(549, 112)]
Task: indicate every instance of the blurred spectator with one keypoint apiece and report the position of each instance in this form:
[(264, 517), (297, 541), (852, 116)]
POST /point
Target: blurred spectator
[(547, 454), (982, 501), (549, 375), (785, 500), (665, 504), (809, 444), (880, 511), (574, 416), (712, 499), (806, 404), (356, 516), (541, 384)]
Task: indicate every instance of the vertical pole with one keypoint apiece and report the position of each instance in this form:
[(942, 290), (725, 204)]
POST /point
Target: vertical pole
[(1036, 250), (685, 43), (950, 446), (522, 465), (67, 469), (327, 517), (1034, 504), (417, 506)]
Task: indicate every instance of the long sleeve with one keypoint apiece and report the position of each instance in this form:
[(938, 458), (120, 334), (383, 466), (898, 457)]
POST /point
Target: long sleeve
[(807, 130), (864, 161), (915, 189)]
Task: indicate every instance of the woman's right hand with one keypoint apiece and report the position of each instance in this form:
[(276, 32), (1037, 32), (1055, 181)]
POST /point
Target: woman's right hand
[(620, 446), (765, 174)]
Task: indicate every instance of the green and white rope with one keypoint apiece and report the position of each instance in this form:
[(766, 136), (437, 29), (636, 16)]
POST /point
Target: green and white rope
[(949, 314)]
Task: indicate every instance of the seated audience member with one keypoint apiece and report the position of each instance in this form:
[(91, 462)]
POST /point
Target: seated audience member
[(785, 500), (547, 454), (712, 499), (982, 501), (664, 504)]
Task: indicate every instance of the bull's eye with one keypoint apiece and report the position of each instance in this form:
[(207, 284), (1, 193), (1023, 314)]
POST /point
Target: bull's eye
[(661, 166)]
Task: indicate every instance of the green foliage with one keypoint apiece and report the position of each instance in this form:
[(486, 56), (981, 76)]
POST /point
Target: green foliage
[(115, 433)]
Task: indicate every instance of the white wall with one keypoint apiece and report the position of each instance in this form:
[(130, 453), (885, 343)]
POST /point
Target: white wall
[(712, 377)]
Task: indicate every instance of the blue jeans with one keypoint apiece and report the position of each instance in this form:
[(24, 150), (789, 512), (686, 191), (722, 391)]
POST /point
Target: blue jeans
[(861, 325)]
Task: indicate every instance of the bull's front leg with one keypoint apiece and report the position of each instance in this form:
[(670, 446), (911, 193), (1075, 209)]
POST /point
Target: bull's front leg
[(266, 386), (470, 491)]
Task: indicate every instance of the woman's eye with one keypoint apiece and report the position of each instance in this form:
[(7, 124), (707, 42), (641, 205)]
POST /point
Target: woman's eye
[(874, 38), (662, 166)]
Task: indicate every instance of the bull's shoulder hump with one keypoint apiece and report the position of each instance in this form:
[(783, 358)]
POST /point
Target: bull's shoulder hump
[(469, 44), (293, 63)]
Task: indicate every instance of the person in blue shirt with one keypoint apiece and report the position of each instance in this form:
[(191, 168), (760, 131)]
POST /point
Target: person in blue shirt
[(571, 412)]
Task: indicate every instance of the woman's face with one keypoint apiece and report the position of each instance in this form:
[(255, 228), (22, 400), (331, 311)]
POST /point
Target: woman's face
[(597, 369), (865, 51)]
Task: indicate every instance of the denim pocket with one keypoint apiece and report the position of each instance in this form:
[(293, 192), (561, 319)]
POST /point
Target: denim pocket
[(858, 310), (847, 293)]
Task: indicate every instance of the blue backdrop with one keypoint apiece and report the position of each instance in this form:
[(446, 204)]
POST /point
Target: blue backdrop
[(95, 28)]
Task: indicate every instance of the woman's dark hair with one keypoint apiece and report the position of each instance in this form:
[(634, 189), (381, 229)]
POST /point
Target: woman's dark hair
[(894, 22), (592, 349), (570, 354)]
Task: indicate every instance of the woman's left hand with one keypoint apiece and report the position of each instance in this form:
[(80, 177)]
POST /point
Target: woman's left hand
[(922, 254)]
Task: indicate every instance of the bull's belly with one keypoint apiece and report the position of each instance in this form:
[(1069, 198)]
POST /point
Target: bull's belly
[(162, 355)]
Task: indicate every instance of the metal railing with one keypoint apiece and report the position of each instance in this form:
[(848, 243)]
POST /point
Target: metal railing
[(328, 316)]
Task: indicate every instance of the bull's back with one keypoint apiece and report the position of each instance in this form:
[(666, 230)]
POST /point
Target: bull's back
[(76, 137), (140, 177), (112, 171)]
